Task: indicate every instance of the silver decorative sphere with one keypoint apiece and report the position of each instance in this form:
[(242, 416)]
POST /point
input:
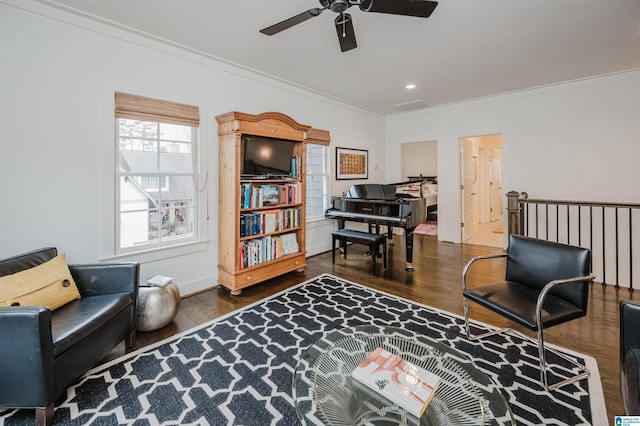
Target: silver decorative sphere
[(157, 306)]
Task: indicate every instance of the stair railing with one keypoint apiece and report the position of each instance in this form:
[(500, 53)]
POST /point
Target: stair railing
[(610, 230)]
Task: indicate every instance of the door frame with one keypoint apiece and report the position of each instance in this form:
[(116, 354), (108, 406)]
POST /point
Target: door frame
[(492, 140), (468, 173)]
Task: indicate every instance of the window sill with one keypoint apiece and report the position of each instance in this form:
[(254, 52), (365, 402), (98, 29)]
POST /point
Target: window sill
[(159, 253)]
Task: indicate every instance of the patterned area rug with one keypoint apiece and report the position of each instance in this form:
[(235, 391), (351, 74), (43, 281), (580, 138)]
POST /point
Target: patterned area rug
[(427, 228), (238, 369)]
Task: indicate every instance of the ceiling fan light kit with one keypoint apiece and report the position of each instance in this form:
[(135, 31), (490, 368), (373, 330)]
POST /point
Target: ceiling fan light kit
[(346, 34), (344, 22)]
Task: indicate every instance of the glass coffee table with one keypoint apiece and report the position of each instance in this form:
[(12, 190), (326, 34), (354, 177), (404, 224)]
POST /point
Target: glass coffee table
[(324, 393)]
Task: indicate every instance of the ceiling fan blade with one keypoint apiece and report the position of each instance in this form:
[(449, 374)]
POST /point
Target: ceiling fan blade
[(288, 23), (346, 34), (419, 8)]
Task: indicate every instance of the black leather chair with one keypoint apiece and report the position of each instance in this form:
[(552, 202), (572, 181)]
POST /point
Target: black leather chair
[(43, 352), (630, 356), (546, 284)]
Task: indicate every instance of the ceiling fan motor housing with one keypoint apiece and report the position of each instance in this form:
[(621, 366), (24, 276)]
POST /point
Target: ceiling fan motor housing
[(337, 6)]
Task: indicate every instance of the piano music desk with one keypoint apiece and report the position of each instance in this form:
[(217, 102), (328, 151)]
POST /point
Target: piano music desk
[(374, 241)]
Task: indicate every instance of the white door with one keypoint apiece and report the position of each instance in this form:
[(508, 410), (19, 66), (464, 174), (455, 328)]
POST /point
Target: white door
[(496, 184), (468, 177)]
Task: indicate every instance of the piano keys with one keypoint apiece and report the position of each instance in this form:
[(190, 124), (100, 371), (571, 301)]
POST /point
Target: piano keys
[(378, 205)]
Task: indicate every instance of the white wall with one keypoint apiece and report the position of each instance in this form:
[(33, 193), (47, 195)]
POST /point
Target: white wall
[(59, 73), (573, 141), (419, 158)]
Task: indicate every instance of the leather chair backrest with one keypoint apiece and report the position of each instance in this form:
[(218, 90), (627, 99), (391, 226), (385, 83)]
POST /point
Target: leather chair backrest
[(533, 262), (629, 326), (27, 260)]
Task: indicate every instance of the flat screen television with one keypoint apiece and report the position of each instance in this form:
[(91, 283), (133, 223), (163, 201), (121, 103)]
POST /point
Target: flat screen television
[(266, 157)]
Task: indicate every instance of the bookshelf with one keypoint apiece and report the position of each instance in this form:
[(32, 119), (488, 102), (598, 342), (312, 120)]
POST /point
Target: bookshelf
[(261, 223)]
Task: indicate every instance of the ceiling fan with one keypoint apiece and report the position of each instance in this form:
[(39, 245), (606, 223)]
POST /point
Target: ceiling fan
[(344, 23)]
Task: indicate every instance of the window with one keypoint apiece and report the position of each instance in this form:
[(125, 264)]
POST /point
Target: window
[(317, 180), (156, 174)]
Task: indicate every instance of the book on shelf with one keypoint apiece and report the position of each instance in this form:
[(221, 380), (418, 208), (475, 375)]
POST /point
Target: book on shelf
[(245, 195), (269, 195), (295, 167), (256, 197), (397, 380), (282, 194)]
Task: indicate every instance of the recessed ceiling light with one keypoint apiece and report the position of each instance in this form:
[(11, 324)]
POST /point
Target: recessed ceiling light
[(410, 86)]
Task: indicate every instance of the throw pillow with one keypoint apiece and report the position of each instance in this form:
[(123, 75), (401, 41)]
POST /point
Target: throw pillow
[(48, 284)]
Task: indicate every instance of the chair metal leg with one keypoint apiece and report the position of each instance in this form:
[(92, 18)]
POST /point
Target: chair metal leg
[(584, 371), (467, 327), (543, 365)]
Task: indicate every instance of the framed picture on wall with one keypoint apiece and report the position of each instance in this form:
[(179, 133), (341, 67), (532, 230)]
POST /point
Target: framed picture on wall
[(352, 163)]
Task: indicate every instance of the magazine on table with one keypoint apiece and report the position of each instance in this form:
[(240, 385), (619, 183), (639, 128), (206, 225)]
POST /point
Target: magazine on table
[(397, 380)]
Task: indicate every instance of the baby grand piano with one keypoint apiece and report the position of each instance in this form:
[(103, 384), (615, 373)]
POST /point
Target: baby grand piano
[(379, 205)]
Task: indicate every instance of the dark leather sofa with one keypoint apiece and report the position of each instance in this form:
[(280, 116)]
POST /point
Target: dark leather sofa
[(630, 356), (42, 352)]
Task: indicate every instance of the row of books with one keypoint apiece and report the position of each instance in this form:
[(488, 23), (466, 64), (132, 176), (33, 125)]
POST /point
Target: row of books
[(252, 196), (253, 252), (268, 221)]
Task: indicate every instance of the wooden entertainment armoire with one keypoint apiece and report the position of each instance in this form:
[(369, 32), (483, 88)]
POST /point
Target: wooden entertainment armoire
[(258, 239)]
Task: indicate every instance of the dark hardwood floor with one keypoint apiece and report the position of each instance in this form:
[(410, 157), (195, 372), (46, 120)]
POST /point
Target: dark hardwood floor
[(435, 281)]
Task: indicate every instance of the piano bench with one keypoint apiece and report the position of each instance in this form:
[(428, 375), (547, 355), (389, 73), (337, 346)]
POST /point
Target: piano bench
[(374, 241)]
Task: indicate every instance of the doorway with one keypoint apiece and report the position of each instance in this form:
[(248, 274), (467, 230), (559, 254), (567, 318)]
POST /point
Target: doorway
[(482, 204), (420, 162)]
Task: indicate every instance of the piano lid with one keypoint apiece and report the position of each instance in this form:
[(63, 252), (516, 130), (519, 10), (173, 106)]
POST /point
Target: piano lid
[(372, 191)]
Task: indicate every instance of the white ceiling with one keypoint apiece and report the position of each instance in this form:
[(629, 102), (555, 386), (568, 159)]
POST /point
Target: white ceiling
[(467, 48)]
